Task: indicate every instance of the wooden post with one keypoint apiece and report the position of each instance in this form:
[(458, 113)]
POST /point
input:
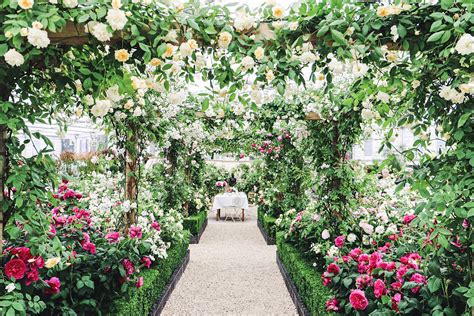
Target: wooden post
[(131, 174)]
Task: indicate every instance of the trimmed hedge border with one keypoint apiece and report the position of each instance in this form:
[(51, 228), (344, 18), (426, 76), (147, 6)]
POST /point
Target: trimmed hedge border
[(303, 281), (196, 224), (269, 240), (300, 307), (267, 226), (158, 285)]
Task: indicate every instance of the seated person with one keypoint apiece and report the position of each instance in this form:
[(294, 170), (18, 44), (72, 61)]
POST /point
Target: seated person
[(232, 181)]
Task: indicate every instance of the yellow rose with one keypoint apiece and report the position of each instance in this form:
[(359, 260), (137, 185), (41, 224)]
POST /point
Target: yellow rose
[(224, 39), (384, 11), (270, 76), (155, 62), (169, 51), (122, 55), (278, 12), (192, 44), (259, 53), (26, 4), (51, 262)]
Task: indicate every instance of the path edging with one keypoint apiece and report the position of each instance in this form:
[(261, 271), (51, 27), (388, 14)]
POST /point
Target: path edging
[(163, 299), (269, 240), (195, 239), (300, 307)]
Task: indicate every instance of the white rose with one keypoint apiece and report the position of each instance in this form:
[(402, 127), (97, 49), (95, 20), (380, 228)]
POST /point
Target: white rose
[(24, 31), (200, 61), (359, 69), (394, 32), (465, 45), (351, 237), (99, 30), (384, 97), (224, 39), (137, 112), (172, 36), (243, 21), (270, 75), (113, 94), (325, 234), (247, 63), (117, 19), (128, 105), (293, 26), (70, 3), (367, 114), (101, 108), (307, 57), (259, 53), (38, 38), (368, 229), (10, 287), (176, 98), (14, 58), (379, 229), (185, 49), (88, 100)]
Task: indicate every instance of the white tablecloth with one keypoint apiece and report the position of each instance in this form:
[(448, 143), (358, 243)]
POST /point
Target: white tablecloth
[(223, 200)]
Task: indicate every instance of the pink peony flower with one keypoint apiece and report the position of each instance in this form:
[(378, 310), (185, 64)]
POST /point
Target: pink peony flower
[(54, 286), (358, 300), (333, 268), (339, 241), (332, 305), (139, 283), (135, 232), (408, 218), (156, 226), (146, 262), (112, 237), (379, 288), (128, 266)]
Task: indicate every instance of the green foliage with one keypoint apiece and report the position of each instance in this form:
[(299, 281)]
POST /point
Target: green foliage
[(194, 223), (140, 302), (267, 221), (307, 280)]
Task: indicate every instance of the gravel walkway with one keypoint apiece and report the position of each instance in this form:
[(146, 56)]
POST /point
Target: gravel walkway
[(232, 272)]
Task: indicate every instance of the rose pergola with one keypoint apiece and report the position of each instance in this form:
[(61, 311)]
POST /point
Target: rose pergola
[(114, 60)]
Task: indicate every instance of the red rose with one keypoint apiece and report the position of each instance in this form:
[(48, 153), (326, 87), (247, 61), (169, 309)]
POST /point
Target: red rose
[(379, 288), (54, 286), (32, 276), (146, 262), (358, 300), (112, 237), (128, 266), (38, 263), (408, 218), (23, 253), (333, 268), (15, 268)]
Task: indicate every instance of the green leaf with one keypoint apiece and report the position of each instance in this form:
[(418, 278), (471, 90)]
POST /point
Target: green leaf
[(338, 37), (193, 24), (446, 4), (402, 31), (463, 119), (323, 30), (434, 284), (436, 36), (3, 49)]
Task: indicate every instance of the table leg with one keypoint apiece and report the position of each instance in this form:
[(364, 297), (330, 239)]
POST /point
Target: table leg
[(243, 215), (218, 214)]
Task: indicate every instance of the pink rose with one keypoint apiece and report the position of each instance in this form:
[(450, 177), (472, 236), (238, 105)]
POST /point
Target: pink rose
[(363, 258), (32, 276), (374, 259), (128, 266), (363, 280), (362, 267), (156, 226), (135, 232), (402, 270), (396, 286), (54, 286), (395, 300), (355, 253), (88, 246), (139, 283), (112, 237), (146, 262), (339, 241), (379, 288), (408, 218), (332, 305), (417, 278), (358, 300)]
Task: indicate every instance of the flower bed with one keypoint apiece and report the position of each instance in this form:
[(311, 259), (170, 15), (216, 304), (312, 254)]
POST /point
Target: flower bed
[(267, 226), (196, 224), (143, 300), (306, 279)]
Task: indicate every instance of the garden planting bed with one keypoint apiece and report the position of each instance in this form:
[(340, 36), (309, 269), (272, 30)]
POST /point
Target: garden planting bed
[(196, 224), (159, 283), (268, 239), (303, 282)]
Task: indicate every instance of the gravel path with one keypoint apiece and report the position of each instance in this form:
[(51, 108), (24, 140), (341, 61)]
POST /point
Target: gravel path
[(232, 271)]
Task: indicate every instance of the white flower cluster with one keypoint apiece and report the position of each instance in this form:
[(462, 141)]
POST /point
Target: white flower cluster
[(243, 21)]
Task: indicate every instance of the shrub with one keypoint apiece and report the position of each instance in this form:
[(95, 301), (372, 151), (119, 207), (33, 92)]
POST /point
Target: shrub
[(194, 223), (267, 221), (141, 301), (306, 279)]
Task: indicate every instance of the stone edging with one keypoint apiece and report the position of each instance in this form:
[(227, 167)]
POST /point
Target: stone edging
[(161, 302), (269, 240), (300, 307), (195, 239)]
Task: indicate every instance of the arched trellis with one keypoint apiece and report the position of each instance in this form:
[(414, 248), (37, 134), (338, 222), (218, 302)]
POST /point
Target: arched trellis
[(427, 33)]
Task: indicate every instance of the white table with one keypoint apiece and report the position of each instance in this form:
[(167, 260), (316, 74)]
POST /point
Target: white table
[(234, 199)]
